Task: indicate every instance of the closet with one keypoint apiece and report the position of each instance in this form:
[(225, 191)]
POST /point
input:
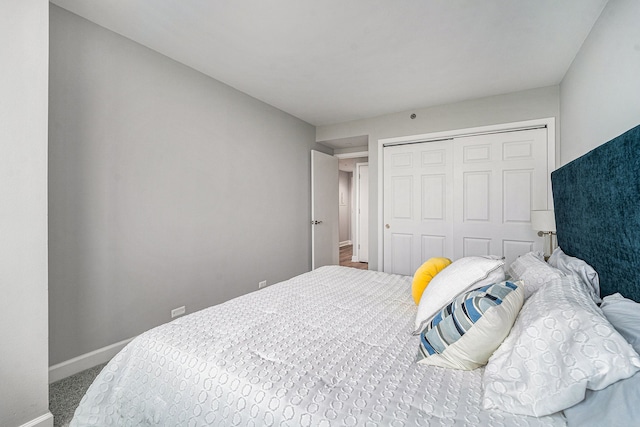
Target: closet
[(463, 196)]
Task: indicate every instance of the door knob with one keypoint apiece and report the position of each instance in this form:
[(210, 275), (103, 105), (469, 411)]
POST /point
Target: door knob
[(387, 226)]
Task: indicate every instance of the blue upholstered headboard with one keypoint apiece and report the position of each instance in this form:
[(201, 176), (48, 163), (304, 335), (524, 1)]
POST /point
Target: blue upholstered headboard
[(597, 208)]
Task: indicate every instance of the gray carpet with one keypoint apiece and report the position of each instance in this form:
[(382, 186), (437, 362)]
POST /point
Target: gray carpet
[(65, 395)]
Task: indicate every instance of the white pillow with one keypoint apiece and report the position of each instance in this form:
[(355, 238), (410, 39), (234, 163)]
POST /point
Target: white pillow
[(465, 333), (570, 265), (624, 315), (462, 275), (560, 346), (533, 271), (616, 405)]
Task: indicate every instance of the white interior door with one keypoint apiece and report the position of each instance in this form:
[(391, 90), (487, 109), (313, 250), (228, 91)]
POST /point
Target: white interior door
[(463, 196), (418, 204), (362, 169), (499, 178), (324, 210)]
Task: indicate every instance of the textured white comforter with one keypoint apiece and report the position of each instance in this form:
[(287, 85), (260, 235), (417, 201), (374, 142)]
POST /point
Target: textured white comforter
[(331, 347)]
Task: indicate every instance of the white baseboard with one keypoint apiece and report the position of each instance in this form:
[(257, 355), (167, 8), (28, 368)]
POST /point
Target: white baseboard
[(89, 360), (45, 420), (345, 243)]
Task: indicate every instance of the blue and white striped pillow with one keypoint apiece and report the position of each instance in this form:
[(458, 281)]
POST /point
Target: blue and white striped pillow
[(465, 333)]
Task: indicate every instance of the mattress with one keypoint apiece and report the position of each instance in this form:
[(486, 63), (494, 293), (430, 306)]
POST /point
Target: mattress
[(332, 347)]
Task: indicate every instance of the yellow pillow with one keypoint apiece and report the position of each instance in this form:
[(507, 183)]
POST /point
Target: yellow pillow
[(425, 273)]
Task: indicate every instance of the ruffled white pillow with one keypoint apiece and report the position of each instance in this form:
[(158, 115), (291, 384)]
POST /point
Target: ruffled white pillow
[(533, 271), (575, 266), (560, 346)]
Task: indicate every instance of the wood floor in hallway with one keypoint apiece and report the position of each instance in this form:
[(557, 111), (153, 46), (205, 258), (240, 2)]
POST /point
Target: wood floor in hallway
[(346, 253)]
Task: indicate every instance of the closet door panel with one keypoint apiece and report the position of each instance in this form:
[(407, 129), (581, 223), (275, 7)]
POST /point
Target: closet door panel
[(418, 202), (476, 196), (517, 195), (402, 253), (473, 246), (433, 246), (433, 195), (402, 197), (498, 179), (512, 249)]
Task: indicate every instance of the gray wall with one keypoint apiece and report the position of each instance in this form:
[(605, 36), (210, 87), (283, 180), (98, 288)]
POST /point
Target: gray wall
[(600, 94), (513, 107), (167, 188), (24, 34)]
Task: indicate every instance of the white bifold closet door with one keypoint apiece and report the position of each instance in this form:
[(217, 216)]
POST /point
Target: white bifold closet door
[(463, 196)]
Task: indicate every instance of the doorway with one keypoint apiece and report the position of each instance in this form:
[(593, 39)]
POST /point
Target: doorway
[(353, 212)]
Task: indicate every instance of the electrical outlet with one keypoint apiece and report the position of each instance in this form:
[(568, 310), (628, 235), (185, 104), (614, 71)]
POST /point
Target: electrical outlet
[(262, 284), (178, 311)]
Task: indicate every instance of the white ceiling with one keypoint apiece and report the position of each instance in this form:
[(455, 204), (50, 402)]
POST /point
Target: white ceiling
[(331, 61)]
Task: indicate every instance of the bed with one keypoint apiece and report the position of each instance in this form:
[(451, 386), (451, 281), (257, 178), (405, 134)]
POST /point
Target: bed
[(339, 346)]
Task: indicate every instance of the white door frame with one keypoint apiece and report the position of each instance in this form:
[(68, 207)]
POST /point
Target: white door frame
[(356, 183), (549, 122), (353, 155)]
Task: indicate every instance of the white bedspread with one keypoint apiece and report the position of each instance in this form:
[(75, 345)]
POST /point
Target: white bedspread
[(328, 348)]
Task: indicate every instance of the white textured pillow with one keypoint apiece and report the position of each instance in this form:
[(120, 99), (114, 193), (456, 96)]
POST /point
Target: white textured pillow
[(560, 346), (570, 265), (616, 405), (462, 275), (533, 271)]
